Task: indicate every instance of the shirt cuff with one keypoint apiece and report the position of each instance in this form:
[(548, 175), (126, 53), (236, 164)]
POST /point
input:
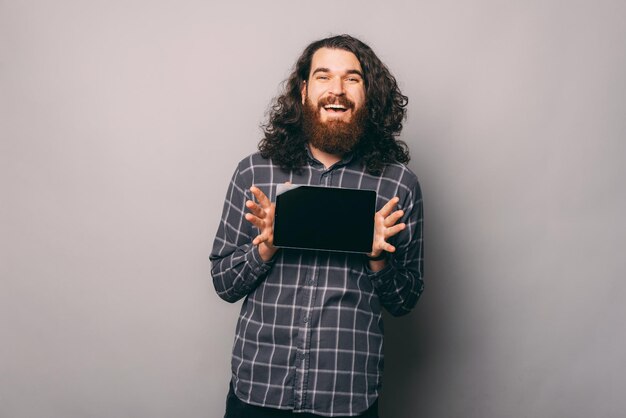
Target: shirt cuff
[(374, 275), (256, 261), (381, 279)]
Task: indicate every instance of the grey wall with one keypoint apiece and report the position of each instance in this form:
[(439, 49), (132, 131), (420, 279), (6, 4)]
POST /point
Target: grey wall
[(122, 121)]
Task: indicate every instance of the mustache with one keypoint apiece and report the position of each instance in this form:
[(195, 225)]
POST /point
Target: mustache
[(340, 100)]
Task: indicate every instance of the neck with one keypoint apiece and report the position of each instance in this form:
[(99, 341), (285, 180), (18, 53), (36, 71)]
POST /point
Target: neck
[(323, 157)]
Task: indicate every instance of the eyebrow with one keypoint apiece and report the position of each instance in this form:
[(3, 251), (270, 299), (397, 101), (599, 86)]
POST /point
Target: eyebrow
[(326, 70)]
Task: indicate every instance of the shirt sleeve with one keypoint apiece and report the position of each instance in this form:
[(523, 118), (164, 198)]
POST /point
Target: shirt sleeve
[(400, 284), (236, 265)]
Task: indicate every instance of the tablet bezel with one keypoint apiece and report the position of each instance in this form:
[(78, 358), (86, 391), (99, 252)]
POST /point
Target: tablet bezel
[(278, 215)]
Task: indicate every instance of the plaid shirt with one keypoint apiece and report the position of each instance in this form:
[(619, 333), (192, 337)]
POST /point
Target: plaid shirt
[(310, 334)]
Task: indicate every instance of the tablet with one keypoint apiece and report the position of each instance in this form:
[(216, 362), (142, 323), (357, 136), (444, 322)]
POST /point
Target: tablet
[(324, 218)]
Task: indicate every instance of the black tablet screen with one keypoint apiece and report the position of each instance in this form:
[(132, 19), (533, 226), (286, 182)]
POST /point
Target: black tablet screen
[(324, 218)]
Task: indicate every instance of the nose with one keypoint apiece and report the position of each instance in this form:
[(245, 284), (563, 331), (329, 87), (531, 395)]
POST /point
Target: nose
[(336, 86)]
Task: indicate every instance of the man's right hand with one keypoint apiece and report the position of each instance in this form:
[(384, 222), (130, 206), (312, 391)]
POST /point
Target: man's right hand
[(262, 216)]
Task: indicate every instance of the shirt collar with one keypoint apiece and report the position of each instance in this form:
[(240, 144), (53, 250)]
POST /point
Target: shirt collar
[(345, 160)]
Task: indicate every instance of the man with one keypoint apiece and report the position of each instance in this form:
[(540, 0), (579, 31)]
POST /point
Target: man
[(309, 340)]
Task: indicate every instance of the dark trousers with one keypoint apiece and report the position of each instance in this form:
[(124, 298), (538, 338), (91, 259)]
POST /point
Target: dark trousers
[(235, 408)]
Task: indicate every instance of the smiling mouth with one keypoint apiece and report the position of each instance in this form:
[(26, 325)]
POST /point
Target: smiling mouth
[(335, 108)]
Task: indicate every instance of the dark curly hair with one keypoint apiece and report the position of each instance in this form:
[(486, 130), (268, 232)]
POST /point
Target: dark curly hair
[(284, 141)]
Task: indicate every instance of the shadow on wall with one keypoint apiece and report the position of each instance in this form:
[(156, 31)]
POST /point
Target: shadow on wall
[(418, 379), (411, 347)]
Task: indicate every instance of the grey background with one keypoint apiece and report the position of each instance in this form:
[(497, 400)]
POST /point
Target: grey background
[(122, 122)]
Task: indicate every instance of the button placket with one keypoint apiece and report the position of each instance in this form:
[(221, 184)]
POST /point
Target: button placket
[(302, 352)]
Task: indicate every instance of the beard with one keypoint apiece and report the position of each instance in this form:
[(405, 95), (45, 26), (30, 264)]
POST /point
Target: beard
[(333, 136)]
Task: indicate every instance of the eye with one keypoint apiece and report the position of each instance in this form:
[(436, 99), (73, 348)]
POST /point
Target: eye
[(353, 79), (322, 77)]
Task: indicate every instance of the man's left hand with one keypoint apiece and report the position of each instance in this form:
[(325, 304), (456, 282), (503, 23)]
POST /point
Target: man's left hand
[(385, 227)]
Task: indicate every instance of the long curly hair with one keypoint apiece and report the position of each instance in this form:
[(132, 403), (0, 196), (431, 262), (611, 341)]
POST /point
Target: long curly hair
[(284, 141)]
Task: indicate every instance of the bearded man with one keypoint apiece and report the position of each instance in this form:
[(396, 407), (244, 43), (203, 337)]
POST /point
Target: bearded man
[(309, 339)]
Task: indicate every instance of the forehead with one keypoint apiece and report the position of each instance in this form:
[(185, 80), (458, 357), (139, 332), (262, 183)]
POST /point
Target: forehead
[(335, 60)]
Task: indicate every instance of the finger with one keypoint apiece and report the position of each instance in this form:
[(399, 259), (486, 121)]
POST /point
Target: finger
[(270, 215), (383, 245), (379, 243), (393, 218), (260, 196), (259, 239), (255, 209), (386, 210), (264, 237), (390, 232), (256, 221)]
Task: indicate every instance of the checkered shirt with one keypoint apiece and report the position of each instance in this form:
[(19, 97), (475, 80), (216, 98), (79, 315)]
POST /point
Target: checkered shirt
[(310, 333)]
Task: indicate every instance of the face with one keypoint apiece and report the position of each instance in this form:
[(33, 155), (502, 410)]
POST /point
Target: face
[(335, 87)]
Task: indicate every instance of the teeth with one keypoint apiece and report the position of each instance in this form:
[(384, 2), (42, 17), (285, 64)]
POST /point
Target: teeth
[(334, 106)]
